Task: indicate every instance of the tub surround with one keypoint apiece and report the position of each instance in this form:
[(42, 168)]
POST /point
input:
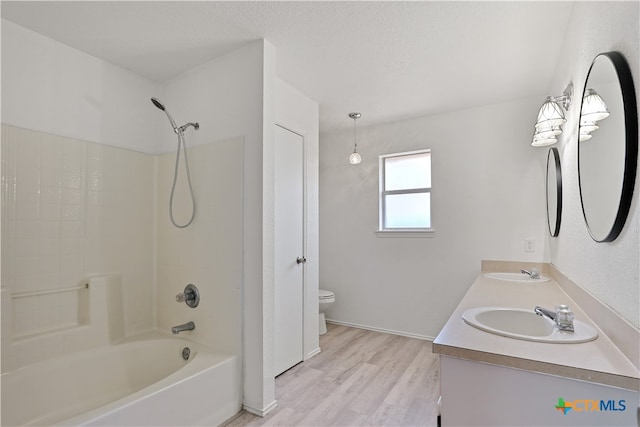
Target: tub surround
[(605, 361), (75, 209), (102, 323), (72, 209), (100, 377)]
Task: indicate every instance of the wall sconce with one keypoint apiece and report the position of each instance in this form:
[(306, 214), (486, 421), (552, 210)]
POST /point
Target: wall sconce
[(551, 117), (593, 110), (585, 130), (593, 107), (355, 158)]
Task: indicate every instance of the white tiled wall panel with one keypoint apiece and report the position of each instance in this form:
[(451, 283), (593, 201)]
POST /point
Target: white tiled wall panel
[(72, 209), (209, 252)]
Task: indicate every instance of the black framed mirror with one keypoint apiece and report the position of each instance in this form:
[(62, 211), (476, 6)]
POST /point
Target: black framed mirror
[(608, 146), (554, 191)]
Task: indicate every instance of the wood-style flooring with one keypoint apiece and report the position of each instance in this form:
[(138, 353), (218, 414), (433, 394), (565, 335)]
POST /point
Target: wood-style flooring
[(361, 378)]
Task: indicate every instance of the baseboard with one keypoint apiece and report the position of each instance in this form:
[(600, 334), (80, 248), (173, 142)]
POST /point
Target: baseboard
[(386, 331), (312, 353), (260, 412)]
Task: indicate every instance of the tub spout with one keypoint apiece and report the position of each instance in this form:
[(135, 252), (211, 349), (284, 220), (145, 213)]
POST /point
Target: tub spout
[(189, 326)]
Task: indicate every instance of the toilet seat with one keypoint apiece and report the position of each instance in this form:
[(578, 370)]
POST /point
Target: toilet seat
[(326, 296)]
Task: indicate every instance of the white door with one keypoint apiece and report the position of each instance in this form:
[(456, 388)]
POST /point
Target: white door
[(289, 249)]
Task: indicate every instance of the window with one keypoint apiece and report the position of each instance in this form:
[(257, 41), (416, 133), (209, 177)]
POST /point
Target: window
[(405, 192)]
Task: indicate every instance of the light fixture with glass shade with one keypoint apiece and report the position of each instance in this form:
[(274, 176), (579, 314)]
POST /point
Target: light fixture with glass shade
[(593, 110), (585, 130), (551, 117), (593, 107), (546, 136), (355, 158)]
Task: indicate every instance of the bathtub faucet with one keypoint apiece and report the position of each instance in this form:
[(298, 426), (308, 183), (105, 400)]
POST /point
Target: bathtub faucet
[(189, 326)]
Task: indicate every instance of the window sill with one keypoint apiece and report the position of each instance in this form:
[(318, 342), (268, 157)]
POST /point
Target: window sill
[(406, 233)]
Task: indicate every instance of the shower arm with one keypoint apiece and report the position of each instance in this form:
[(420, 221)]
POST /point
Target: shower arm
[(184, 127)]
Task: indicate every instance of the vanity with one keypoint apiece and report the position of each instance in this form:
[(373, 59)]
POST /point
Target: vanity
[(490, 379)]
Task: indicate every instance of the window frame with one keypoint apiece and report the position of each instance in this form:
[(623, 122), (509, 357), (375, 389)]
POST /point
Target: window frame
[(382, 193)]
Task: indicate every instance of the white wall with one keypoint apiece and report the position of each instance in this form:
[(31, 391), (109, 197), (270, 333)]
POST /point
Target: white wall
[(298, 113), (610, 271), (488, 195), (50, 87)]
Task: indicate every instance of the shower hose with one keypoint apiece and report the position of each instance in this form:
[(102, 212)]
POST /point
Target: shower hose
[(182, 145)]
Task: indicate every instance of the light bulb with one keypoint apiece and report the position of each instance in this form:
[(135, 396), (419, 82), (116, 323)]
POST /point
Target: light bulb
[(355, 158)]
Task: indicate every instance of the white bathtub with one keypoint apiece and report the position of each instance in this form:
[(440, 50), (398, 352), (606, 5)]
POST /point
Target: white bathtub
[(140, 382)]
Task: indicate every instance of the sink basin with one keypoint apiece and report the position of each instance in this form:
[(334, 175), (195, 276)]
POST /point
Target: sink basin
[(525, 325), (516, 277)]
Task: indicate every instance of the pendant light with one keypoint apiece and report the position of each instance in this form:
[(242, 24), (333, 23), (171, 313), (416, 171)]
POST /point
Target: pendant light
[(355, 158)]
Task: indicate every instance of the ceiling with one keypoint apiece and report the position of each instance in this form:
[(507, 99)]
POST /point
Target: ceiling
[(389, 60)]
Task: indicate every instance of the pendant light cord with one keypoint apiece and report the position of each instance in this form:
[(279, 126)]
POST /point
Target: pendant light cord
[(355, 135)]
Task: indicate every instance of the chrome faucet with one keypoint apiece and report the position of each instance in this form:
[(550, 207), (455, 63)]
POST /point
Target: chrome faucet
[(562, 317), (551, 315), (190, 296), (533, 273), (189, 326)]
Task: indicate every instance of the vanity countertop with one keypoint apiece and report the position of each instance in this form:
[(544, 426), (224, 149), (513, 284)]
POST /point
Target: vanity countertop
[(598, 361)]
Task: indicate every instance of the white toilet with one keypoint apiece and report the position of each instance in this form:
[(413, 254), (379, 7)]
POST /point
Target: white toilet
[(326, 299)]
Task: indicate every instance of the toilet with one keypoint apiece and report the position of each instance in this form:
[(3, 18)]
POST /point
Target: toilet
[(326, 299)]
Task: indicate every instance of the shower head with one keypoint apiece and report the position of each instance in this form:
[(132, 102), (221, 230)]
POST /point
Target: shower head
[(161, 106), (157, 103)]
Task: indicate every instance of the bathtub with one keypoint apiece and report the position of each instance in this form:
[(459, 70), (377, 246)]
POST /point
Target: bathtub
[(144, 381)]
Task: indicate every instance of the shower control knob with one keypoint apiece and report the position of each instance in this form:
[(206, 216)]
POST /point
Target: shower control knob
[(301, 260), (190, 296)]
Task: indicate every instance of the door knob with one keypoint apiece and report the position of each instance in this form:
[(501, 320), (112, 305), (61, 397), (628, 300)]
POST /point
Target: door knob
[(301, 260)]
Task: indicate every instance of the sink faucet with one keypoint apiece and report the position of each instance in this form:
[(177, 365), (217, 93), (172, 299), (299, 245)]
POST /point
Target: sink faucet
[(544, 312), (563, 317), (189, 326), (533, 273)]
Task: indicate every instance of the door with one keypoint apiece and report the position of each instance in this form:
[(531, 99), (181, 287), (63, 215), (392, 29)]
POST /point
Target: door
[(289, 249)]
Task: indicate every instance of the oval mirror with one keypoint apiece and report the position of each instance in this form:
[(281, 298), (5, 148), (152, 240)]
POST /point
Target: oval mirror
[(608, 146), (554, 192)]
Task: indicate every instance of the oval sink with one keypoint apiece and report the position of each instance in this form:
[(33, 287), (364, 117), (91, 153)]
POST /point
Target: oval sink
[(516, 277), (525, 325)]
